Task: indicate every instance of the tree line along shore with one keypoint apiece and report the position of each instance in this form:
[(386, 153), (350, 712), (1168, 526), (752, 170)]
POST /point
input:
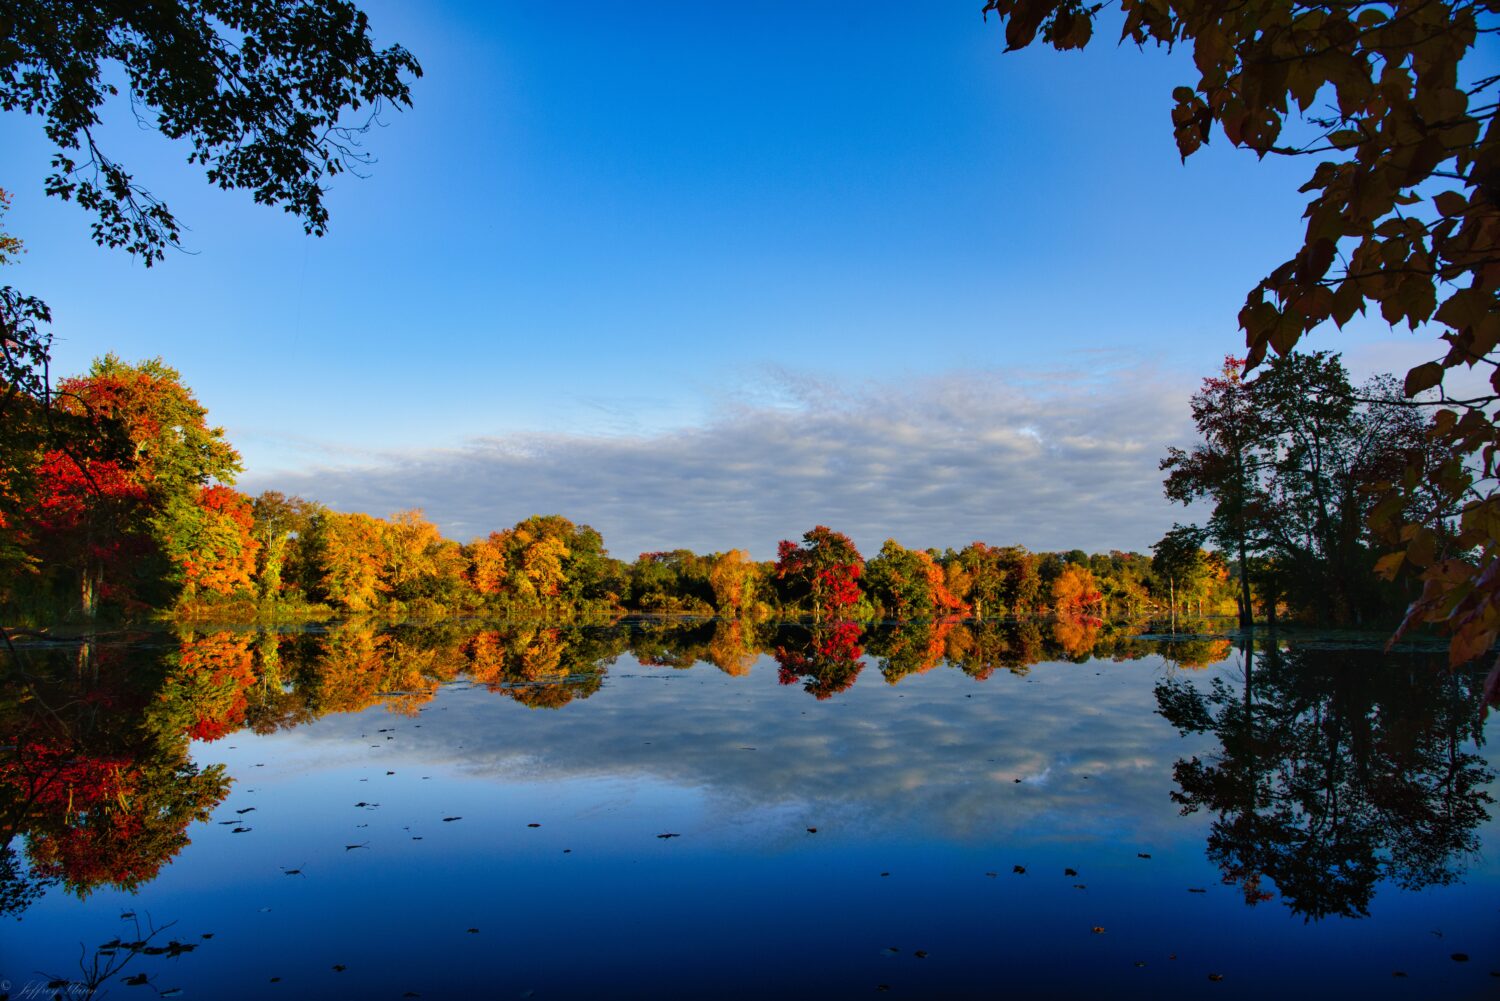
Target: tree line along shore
[(117, 504)]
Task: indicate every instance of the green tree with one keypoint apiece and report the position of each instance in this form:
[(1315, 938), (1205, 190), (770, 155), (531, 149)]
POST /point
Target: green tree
[(279, 520), (1223, 465), (1178, 560), (1293, 461), (897, 581)]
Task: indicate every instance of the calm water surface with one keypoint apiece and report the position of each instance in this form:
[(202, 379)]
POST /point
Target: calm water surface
[(665, 811)]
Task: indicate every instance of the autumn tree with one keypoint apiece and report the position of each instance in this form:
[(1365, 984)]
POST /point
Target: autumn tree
[(348, 552), (908, 584), (418, 562), (130, 516), (824, 570), (213, 543), (1403, 218), (1074, 592), (736, 581), (546, 560)]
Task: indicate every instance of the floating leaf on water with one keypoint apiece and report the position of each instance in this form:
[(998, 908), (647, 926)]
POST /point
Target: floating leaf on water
[(812, 830), (567, 851), (885, 874), (1070, 872), (339, 967), (449, 820), (390, 773), (246, 810), (263, 910), (1197, 889), (1216, 976), (1098, 929), (416, 838), (242, 830), (666, 836), (533, 825), (991, 875), (138, 980), (1460, 957), (1398, 973), (473, 931), (275, 980), (1079, 886), (292, 872), (350, 848), (208, 934), (890, 950), (920, 954), (172, 992), (1018, 869), (1140, 962)]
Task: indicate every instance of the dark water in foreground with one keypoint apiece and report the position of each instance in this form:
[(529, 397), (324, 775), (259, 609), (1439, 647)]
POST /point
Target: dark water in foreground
[(670, 812)]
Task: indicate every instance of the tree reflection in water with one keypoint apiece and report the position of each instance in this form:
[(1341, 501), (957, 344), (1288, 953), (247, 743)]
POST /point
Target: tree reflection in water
[(1336, 770), (96, 774)]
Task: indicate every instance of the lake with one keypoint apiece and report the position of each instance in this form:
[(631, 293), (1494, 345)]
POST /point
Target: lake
[(689, 809)]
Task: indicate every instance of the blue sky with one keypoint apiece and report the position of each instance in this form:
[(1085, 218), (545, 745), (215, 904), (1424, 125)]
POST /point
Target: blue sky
[(605, 231)]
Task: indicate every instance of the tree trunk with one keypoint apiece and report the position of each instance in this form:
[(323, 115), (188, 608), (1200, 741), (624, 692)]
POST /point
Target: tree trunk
[(1247, 616), (90, 579)]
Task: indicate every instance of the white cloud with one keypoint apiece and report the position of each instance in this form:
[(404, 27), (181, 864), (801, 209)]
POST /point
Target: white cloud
[(1045, 461)]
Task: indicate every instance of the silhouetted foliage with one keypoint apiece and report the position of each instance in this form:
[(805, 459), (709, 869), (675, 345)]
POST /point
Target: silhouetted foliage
[(1336, 770)]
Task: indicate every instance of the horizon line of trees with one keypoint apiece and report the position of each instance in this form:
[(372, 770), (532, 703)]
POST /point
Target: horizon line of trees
[(117, 498)]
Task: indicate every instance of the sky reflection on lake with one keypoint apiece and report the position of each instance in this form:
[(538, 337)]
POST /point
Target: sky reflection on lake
[(833, 847)]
